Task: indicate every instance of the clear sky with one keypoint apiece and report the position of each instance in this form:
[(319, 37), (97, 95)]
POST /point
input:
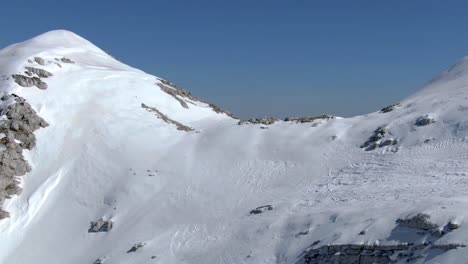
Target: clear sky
[(266, 57)]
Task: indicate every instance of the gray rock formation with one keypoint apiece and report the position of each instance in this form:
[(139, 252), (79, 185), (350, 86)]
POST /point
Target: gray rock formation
[(165, 118), (39, 61), (27, 81), (308, 119), (99, 261), (375, 140), (262, 120), (262, 209), (424, 120), (390, 108), (66, 60), (180, 94), (100, 226), (136, 247), (39, 72), (419, 221), (372, 254), (17, 130)]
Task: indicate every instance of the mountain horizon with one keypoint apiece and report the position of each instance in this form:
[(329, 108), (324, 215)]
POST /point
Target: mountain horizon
[(104, 163)]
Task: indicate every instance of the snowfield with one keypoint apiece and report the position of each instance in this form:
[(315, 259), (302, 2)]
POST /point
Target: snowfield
[(177, 196)]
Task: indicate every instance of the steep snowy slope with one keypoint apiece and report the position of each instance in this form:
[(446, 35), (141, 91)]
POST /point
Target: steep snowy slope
[(179, 179)]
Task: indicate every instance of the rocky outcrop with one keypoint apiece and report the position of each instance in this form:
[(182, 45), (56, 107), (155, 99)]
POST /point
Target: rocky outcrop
[(100, 226), (39, 72), (308, 119), (262, 209), (372, 254), (40, 61), (66, 60), (182, 95), (376, 140), (390, 108), (17, 133), (27, 81), (165, 118), (422, 222), (262, 120), (272, 120), (136, 247), (424, 120), (419, 221)]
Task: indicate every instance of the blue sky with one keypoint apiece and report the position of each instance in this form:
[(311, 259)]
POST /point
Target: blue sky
[(267, 57)]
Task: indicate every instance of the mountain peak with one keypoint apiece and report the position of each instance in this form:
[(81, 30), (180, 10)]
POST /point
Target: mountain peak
[(61, 37)]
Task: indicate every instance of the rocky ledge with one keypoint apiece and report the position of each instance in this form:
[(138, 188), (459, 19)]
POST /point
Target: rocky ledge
[(183, 97), (17, 125), (372, 254)]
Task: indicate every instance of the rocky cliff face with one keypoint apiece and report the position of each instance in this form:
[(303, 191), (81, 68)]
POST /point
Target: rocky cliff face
[(17, 125)]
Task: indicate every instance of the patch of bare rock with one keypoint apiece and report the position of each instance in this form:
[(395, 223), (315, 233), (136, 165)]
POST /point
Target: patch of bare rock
[(165, 118), (183, 97), (16, 133), (272, 120)]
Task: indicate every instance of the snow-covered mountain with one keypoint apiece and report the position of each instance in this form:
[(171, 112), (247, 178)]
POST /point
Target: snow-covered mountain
[(124, 167)]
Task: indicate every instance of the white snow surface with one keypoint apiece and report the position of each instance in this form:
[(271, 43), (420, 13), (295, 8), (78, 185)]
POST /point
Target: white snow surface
[(95, 158)]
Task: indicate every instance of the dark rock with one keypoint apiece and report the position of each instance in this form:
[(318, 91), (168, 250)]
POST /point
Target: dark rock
[(375, 140), (66, 60), (424, 120), (98, 261), (452, 226), (136, 247), (100, 226), (371, 254), (308, 119), (419, 221), (388, 142), (261, 209), (390, 108), (262, 120)]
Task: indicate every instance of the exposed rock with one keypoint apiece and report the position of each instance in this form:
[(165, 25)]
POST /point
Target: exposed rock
[(308, 119), (19, 124), (262, 209), (368, 254), (100, 226), (165, 118), (136, 247), (262, 120), (388, 142), (424, 120), (452, 226), (419, 221), (99, 261), (374, 140), (181, 95), (39, 60), (27, 81), (390, 108), (66, 60), (176, 93), (39, 72)]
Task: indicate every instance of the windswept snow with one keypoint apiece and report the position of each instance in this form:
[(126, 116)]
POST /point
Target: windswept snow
[(187, 196)]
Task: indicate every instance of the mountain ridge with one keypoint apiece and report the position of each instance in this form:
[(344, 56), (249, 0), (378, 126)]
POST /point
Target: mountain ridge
[(113, 179)]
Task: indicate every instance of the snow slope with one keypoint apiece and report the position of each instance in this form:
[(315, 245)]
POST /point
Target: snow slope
[(187, 194)]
